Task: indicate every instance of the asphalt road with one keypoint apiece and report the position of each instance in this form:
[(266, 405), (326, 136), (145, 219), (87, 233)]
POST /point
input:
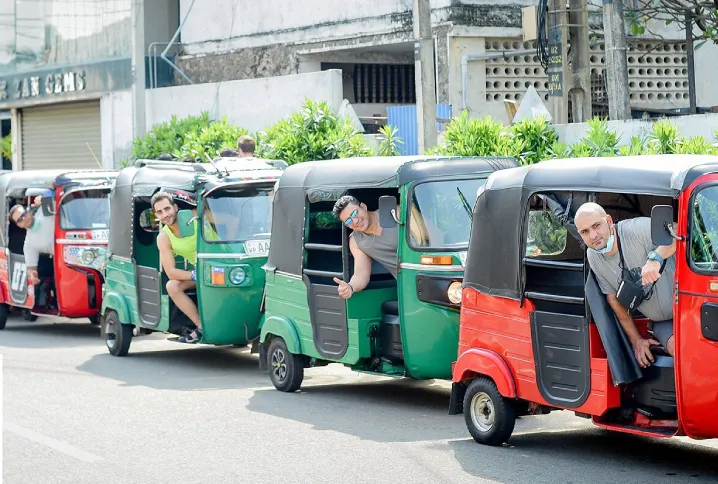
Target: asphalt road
[(169, 413)]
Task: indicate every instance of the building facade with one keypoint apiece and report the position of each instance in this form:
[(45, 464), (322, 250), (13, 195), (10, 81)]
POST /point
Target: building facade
[(371, 41), (61, 61)]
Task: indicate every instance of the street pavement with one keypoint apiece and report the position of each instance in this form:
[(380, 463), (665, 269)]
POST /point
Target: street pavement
[(171, 413)]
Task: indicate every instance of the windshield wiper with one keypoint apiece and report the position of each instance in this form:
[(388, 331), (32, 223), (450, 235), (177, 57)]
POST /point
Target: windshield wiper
[(465, 203)]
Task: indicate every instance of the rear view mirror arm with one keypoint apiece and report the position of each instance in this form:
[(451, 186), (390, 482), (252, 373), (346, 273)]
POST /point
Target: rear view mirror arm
[(669, 228)]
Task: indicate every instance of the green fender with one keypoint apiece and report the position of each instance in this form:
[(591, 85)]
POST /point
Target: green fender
[(283, 328), (117, 303)]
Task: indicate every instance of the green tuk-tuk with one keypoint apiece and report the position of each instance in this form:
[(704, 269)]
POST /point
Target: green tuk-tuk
[(232, 200), (403, 326)]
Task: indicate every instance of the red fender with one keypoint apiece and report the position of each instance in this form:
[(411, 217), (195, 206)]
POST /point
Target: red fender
[(3, 300), (479, 361)]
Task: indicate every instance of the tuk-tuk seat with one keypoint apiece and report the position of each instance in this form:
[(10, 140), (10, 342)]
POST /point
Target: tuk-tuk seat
[(390, 307)]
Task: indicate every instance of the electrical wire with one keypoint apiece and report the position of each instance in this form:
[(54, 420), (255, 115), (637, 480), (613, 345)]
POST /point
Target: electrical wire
[(542, 33)]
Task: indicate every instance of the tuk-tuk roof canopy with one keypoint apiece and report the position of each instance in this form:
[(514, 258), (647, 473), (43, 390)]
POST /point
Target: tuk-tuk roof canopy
[(328, 180), (376, 171), (494, 263), (146, 177), (18, 181), (661, 175)]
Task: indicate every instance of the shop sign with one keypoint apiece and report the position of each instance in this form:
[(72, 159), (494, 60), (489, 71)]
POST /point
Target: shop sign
[(50, 84)]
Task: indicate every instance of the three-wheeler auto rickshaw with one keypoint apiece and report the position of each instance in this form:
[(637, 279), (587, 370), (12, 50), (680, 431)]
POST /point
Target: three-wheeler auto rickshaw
[(71, 280), (232, 199), (397, 327), (537, 333)]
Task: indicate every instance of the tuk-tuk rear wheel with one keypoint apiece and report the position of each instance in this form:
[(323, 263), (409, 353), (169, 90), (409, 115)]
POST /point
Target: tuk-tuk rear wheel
[(4, 311), (489, 417), (117, 336), (285, 369)]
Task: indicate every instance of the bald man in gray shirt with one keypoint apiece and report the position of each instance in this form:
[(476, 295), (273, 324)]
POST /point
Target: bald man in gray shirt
[(602, 237)]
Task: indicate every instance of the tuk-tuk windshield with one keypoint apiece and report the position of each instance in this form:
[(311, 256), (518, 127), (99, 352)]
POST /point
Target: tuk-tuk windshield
[(704, 233), (238, 215), (441, 213), (86, 210)]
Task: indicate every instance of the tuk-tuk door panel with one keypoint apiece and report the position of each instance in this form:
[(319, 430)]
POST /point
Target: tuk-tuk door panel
[(696, 308)]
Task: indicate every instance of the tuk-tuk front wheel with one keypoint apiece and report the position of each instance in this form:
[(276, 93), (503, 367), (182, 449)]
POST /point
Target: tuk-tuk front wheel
[(28, 316), (4, 311), (285, 369), (489, 417), (117, 336)]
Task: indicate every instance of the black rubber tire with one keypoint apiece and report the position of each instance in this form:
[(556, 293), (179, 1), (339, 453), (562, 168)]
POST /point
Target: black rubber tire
[(4, 311), (498, 430), (120, 345), (95, 320), (28, 316), (285, 369)]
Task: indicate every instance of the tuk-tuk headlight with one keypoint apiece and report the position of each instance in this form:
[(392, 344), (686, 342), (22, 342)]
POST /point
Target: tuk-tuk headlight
[(237, 276), (454, 292), (88, 256)]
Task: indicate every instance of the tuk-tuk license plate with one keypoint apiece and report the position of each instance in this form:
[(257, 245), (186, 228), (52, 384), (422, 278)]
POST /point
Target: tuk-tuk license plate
[(257, 247)]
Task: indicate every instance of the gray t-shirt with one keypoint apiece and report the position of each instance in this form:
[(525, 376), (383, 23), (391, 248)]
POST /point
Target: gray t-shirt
[(382, 248), (40, 241), (635, 239)]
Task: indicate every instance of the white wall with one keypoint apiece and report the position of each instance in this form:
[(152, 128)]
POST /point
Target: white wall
[(698, 125), (283, 21), (254, 104), (116, 120)]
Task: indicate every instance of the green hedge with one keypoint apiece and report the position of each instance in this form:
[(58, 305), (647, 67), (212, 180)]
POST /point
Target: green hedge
[(315, 133)]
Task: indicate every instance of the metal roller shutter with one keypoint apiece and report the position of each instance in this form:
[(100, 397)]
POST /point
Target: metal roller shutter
[(57, 136)]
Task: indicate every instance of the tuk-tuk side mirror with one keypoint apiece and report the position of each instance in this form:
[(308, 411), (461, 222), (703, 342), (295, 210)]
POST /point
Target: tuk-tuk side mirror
[(387, 212), (661, 220), (185, 220), (47, 201)]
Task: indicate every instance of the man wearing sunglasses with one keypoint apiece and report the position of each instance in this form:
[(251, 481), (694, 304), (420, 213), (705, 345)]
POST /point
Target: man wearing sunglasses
[(368, 241), (40, 237)]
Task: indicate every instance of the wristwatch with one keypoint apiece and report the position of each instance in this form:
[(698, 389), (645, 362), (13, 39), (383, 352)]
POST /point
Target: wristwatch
[(653, 255)]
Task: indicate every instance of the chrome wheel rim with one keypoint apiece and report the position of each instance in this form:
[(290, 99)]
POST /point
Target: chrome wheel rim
[(110, 334), (482, 412), (279, 365)]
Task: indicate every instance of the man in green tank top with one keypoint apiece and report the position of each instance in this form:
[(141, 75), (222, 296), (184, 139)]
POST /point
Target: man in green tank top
[(170, 245)]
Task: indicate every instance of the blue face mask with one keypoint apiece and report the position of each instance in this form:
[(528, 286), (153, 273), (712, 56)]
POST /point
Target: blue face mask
[(609, 246), (35, 226)]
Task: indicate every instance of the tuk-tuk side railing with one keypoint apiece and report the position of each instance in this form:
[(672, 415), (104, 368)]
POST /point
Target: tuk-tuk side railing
[(555, 264), (323, 248), (542, 296)]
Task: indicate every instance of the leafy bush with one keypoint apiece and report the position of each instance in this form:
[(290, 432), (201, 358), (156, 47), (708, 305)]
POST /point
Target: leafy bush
[(478, 137), (6, 146), (314, 133), (209, 141), (538, 138), (168, 137), (388, 145)]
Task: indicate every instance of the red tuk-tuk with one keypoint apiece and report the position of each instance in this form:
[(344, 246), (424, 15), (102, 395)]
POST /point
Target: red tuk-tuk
[(70, 280), (537, 333)]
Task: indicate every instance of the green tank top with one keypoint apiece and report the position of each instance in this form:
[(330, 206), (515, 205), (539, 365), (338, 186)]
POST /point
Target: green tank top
[(183, 246)]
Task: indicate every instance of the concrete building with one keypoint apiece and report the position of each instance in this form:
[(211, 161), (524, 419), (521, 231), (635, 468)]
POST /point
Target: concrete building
[(371, 41), (60, 64)]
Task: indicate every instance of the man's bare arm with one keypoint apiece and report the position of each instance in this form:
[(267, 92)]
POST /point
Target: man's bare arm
[(362, 267)]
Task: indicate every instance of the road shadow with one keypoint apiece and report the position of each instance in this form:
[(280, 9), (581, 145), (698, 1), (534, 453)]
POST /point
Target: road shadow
[(187, 368), (588, 455), (49, 332), (401, 410)]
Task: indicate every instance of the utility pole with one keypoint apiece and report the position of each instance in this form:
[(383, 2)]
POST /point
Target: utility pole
[(138, 68), (616, 66), (580, 70), (424, 73), (569, 72)]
